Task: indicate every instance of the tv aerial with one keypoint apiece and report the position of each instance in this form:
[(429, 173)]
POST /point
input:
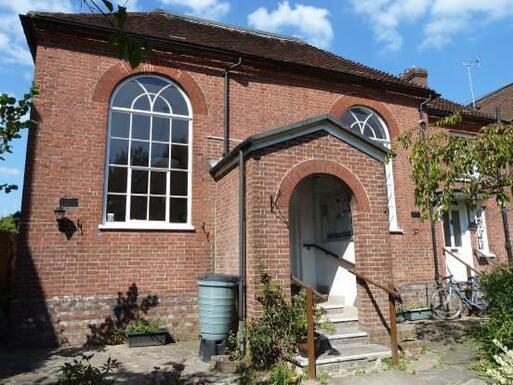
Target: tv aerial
[(469, 64)]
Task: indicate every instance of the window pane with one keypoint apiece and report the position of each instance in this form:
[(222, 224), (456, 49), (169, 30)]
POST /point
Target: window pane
[(178, 210), (180, 131), (139, 153), (152, 84), (140, 127), (368, 132), (142, 103), (347, 120), (120, 124), (116, 207), (118, 153), (160, 129), (376, 124), (360, 113), (161, 105), (126, 94), (447, 230), (179, 155), (178, 183), (456, 227), (138, 206), (176, 100), (160, 155), (158, 183), (140, 182), (157, 209), (117, 179)]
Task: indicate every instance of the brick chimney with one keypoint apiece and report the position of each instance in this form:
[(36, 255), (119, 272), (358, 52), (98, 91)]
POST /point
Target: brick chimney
[(416, 76)]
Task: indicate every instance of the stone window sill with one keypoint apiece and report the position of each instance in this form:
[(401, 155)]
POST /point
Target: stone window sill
[(146, 226)]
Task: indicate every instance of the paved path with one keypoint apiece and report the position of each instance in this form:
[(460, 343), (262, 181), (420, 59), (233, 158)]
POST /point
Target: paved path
[(24, 367), (445, 363)]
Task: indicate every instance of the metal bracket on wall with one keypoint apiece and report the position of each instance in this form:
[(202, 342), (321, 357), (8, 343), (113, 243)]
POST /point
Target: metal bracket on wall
[(275, 209)]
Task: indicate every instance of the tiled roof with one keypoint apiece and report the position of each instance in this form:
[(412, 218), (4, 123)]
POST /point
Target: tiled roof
[(184, 29), (247, 42), (445, 106)]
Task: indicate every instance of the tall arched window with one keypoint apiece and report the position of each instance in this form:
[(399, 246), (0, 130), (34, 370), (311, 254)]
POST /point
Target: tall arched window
[(148, 171), (368, 123)]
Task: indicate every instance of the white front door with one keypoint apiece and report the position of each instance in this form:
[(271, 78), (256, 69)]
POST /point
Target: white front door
[(320, 214), (457, 240)]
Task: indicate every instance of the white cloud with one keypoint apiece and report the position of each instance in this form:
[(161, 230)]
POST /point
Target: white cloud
[(9, 171), (307, 22), (208, 9), (12, 41), (440, 20)]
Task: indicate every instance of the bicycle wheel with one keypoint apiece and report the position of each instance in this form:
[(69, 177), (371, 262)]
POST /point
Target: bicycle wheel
[(446, 305)]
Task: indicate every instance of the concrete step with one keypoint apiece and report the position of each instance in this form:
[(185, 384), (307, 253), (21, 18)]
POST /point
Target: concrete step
[(343, 324), (347, 337), (332, 309), (347, 359)]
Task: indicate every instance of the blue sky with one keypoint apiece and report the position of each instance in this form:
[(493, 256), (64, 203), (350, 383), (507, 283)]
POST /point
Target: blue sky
[(390, 35)]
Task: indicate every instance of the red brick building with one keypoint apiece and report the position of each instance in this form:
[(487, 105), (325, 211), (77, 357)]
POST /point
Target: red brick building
[(501, 98), (225, 145)]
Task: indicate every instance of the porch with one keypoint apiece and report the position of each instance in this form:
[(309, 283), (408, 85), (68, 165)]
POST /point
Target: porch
[(312, 204)]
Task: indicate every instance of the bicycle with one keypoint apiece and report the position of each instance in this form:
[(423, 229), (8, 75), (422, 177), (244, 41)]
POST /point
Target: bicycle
[(447, 301)]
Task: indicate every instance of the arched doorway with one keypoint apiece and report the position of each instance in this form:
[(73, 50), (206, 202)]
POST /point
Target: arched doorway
[(320, 214)]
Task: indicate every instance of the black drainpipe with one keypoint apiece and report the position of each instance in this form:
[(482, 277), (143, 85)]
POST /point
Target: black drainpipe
[(226, 148), (423, 127), (242, 250), (504, 210)]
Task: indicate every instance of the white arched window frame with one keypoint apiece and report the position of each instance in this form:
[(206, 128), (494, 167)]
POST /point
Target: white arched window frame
[(369, 123), (148, 168)]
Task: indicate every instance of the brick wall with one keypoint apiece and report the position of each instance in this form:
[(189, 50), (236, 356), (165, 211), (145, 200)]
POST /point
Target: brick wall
[(502, 98), (269, 174), (66, 157)]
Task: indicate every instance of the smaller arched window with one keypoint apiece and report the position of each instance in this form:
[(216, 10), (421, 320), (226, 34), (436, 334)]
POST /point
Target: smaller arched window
[(148, 173), (366, 122), (369, 123)]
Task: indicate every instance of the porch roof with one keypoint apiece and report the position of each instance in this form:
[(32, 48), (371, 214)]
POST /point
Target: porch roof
[(295, 130)]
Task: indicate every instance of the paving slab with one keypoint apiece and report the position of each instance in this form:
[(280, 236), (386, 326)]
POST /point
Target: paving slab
[(20, 367), (392, 377)]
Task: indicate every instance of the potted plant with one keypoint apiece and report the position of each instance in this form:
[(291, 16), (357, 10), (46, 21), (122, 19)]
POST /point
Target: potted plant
[(299, 324), (146, 333), (416, 312), (399, 314)]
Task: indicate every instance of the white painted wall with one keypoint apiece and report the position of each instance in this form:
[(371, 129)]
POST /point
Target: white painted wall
[(313, 266)]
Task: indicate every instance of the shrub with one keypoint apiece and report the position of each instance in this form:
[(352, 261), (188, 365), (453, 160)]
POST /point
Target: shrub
[(81, 372), (117, 336), (283, 375), (497, 286), (143, 326), (274, 335), (232, 347), (503, 374)]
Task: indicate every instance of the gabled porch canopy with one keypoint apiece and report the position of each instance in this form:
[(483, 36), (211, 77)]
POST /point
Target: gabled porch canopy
[(295, 130)]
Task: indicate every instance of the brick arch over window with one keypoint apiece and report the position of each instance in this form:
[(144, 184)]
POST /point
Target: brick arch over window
[(313, 166), (348, 101), (118, 72)]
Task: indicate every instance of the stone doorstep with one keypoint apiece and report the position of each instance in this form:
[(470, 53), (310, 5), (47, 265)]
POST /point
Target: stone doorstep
[(351, 352), (347, 338)]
